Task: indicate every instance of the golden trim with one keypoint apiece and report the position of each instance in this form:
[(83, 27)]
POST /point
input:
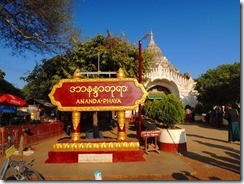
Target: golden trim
[(75, 136), (98, 108), (121, 136), (88, 146)]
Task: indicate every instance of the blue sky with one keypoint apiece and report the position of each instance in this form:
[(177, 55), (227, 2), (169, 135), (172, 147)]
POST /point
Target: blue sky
[(195, 35)]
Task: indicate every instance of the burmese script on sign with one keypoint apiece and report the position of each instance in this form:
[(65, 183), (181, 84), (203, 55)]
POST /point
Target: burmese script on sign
[(94, 92)]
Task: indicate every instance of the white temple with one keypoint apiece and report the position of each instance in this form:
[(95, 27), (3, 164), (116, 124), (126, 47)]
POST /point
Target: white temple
[(164, 78)]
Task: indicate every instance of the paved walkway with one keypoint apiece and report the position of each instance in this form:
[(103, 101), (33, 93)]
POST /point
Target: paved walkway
[(204, 143)]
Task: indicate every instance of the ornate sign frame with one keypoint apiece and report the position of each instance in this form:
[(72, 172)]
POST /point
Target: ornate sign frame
[(120, 89)]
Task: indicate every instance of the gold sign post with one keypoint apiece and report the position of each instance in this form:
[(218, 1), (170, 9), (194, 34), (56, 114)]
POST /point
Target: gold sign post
[(75, 135), (121, 114)]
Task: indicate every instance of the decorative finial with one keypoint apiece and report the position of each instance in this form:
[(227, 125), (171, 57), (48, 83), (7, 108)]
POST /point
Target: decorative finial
[(151, 35), (120, 73), (77, 74)]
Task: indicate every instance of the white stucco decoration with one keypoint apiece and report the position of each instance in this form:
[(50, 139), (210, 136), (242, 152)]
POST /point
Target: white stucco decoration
[(164, 74)]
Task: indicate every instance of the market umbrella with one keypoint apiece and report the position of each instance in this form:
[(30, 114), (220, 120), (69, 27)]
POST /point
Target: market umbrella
[(12, 100)]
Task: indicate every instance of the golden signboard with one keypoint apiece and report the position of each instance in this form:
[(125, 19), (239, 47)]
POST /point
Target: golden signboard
[(99, 94)]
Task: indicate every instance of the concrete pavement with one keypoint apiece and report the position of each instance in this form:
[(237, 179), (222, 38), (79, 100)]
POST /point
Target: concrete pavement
[(204, 143)]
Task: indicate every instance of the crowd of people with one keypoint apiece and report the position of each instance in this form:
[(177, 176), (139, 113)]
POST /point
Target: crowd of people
[(216, 116)]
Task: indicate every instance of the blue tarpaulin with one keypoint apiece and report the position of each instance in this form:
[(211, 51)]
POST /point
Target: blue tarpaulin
[(8, 109)]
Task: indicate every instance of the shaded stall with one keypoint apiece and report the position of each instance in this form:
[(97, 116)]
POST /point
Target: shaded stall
[(41, 110)]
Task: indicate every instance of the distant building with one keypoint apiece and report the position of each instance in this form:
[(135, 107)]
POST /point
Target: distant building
[(164, 78)]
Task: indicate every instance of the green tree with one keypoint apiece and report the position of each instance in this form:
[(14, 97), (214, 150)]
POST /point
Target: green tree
[(113, 52), (2, 74), (6, 87), (37, 25), (220, 85), (169, 111)]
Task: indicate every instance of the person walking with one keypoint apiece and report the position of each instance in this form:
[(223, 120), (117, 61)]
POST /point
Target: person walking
[(188, 114), (218, 116), (231, 115)]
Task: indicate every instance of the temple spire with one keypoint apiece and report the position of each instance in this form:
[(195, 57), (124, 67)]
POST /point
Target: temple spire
[(151, 43), (151, 35), (159, 59)]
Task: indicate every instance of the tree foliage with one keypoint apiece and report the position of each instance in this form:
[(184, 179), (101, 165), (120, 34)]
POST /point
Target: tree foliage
[(6, 87), (220, 85), (113, 52), (39, 26), (169, 111)]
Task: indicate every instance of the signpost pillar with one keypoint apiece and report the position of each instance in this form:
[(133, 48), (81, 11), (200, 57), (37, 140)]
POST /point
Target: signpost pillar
[(121, 114), (75, 136)]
